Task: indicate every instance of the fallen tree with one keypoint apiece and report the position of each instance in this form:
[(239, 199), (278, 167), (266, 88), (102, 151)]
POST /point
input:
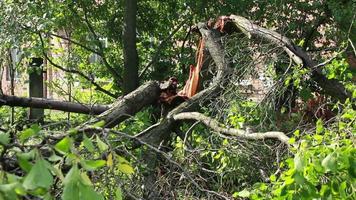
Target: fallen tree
[(149, 93)]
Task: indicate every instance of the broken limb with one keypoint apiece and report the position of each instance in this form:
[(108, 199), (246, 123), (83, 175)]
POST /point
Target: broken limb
[(128, 105), (218, 127), (331, 87)]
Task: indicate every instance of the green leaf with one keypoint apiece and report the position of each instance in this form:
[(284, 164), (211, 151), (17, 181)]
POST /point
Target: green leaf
[(235, 195), (347, 116), (24, 164), (54, 158), (298, 163), (99, 124), (289, 180), (121, 159), (88, 193), (329, 163), (118, 194), (4, 138), (291, 140), (88, 144), (244, 193), (299, 178), (72, 175), (102, 146), (318, 138), (85, 179), (64, 145), (27, 155), (325, 190), (8, 187), (27, 133), (72, 131), (38, 177), (125, 168), (75, 187), (319, 126), (93, 164), (296, 133)]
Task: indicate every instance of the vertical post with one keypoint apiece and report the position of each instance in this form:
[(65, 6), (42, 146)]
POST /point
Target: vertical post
[(36, 87)]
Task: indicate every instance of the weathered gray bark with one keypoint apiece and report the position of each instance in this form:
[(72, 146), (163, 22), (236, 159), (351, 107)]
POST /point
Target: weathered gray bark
[(130, 75), (331, 87), (126, 106), (120, 110)]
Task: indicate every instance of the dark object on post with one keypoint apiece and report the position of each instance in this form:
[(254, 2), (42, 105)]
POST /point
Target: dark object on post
[(36, 87)]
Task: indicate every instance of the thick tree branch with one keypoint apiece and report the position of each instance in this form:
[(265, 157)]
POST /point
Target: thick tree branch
[(126, 106), (113, 114), (33, 102), (331, 87), (218, 127)]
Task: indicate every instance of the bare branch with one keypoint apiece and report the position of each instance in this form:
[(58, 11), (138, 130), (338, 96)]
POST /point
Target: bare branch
[(218, 127), (97, 86), (74, 42)]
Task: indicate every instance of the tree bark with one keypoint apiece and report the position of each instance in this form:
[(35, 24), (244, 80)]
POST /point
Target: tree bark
[(130, 74), (126, 106), (33, 102), (123, 108)]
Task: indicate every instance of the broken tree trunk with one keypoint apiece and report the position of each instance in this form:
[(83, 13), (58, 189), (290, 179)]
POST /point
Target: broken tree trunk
[(162, 131)]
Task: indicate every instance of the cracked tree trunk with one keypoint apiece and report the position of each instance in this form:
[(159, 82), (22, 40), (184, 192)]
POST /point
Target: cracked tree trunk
[(162, 132)]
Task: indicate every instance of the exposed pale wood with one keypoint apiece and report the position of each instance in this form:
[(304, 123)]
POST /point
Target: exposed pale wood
[(240, 133)]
